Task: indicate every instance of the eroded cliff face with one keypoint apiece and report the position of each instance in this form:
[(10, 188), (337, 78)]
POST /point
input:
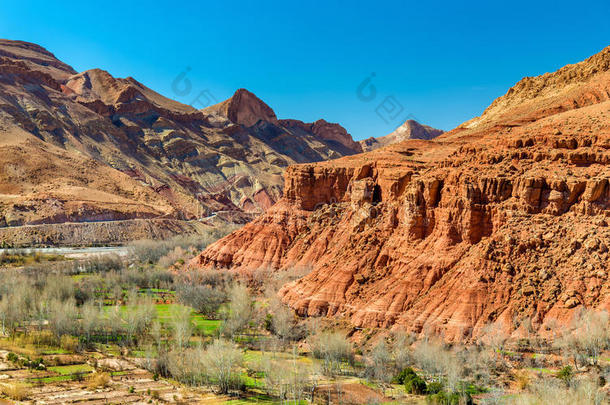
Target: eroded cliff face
[(499, 221)]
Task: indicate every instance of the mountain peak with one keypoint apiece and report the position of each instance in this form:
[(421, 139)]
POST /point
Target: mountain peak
[(410, 129), (36, 57), (243, 108)]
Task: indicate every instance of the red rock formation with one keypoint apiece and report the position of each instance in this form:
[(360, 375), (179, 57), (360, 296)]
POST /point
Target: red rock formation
[(244, 108), (409, 130), (503, 219)]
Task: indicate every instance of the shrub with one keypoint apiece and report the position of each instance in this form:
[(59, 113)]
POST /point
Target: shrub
[(445, 398), (434, 388), (551, 391), (68, 343), (43, 338), (12, 357), (406, 374), (565, 374), (177, 255), (15, 391), (98, 380), (413, 383), (415, 386), (523, 381)]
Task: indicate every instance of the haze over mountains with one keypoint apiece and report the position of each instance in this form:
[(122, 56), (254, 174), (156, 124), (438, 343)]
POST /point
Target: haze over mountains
[(503, 221), (87, 148)]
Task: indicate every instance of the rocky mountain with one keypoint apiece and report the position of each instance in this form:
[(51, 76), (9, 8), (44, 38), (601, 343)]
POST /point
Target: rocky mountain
[(503, 221), (89, 147), (411, 129)]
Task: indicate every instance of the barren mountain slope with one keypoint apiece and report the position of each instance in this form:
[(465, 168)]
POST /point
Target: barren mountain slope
[(502, 220), (409, 130), (93, 147)]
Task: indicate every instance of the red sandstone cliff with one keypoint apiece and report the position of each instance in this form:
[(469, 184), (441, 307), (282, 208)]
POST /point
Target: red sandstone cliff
[(503, 219)]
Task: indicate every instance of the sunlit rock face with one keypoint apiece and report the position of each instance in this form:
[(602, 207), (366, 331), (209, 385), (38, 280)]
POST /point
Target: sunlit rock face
[(503, 219)]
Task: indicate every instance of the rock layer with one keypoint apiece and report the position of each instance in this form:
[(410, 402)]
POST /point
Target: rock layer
[(503, 220)]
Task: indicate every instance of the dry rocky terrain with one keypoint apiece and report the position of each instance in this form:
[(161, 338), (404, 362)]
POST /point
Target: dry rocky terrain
[(503, 220)]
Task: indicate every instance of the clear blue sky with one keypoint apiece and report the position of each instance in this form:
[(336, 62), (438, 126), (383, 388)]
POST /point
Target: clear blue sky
[(443, 62)]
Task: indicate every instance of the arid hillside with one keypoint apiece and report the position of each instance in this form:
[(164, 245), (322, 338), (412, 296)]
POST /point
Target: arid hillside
[(503, 221), (89, 147)]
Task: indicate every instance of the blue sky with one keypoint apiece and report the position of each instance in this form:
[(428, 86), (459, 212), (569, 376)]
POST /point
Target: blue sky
[(441, 62)]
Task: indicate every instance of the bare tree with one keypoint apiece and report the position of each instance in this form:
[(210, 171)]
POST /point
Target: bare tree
[(240, 312), (182, 326), (283, 321), (379, 363), (334, 350), (223, 360), (588, 337), (401, 349), (203, 298)]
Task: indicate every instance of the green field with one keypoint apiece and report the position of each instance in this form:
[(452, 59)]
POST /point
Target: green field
[(165, 312), (72, 369), (66, 373), (206, 326)]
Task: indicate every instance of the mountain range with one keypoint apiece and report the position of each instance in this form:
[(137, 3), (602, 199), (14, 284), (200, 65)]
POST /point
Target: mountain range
[(115, 160)]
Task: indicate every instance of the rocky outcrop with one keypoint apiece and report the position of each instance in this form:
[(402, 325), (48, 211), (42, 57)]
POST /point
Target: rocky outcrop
[(411, 129), (503, 220), (333, 134), (244, 108)]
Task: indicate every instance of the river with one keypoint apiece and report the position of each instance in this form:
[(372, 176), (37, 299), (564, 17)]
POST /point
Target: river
[(74, 252)]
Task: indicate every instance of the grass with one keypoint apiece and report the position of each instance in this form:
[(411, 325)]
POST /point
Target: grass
[(254, 399), (253, 356), (118, 373), (156, 291), (72, 369), (540, 370), (141, 354), (475, 389), (251, 382), (66, 373), (53, 379), (54, 351), (204, 325), (15, 391)]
